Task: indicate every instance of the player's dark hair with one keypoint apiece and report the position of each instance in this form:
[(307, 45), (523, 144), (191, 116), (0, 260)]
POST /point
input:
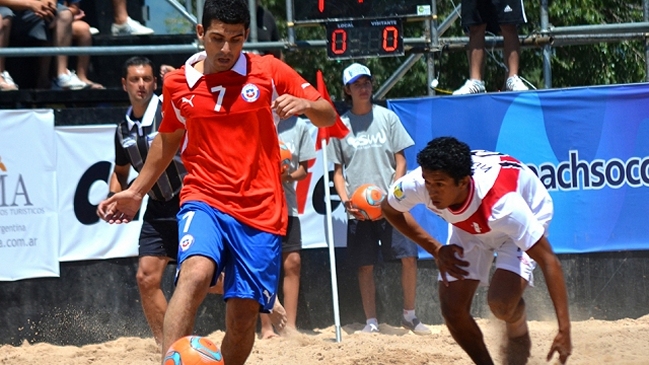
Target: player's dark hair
[(137, 61), (226, 11), (449, 155)]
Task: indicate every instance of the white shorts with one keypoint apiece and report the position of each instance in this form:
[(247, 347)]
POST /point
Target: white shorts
[(480, 257)]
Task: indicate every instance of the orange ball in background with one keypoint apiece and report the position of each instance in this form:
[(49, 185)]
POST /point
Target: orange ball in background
[(193, 350), (367, 199), (285, 156)]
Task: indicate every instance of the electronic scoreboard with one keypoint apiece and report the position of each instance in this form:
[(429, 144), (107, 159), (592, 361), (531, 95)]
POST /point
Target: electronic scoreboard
[(361, 28)]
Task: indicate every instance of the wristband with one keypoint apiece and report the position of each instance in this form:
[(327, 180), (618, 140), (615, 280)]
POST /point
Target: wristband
[(110, 193)]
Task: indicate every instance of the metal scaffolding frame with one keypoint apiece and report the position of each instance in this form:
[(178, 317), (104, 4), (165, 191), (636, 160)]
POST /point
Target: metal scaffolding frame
[(429, 44)]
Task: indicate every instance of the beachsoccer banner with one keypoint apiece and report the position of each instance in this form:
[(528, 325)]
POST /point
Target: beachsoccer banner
[(588, 145), (29, 235), (85, 156)]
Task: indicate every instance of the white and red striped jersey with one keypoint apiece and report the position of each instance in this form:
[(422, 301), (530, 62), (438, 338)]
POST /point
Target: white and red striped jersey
[(506, 201)]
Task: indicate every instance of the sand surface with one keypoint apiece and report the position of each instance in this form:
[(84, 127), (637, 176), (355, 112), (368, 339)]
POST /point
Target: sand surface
[(618, 342)]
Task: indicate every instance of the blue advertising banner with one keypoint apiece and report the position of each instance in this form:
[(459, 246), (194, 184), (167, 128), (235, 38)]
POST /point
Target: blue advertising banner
[(589, 146)]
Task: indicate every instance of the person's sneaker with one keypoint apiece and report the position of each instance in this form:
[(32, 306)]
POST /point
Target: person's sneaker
[(370, 328), (471, 87), (68, 81), (93, 31), (416, 326), (515, 83), (8, 83), (131, 27)]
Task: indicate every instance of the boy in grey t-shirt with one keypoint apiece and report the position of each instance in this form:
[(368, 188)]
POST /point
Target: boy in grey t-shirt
[(372, 152), (294, 133)]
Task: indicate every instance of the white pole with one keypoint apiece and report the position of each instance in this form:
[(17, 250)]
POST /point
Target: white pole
[(330, 240)]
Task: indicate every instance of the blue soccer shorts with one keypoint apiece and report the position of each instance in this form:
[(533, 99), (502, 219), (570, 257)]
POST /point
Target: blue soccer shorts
[(249, 257)]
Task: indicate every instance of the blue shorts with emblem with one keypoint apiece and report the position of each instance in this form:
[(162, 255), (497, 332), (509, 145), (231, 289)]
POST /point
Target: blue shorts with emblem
[(249, 257)]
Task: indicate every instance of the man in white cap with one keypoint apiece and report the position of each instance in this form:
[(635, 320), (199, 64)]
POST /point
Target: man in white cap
[(372, 152)]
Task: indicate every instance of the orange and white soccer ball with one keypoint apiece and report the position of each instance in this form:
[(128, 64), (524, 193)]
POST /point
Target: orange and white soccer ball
[(367, 199), (193, 350), (285, 156)]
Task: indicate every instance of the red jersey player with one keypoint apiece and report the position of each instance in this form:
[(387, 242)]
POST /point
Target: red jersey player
[(221, 109), (494, 203)]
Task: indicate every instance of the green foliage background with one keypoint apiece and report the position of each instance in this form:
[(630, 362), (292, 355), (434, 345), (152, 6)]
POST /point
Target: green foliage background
[(596, 64)]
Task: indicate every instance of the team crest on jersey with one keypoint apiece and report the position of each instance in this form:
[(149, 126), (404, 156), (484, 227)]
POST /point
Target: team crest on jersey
[(186, 241), (250, 93), (397, 190)]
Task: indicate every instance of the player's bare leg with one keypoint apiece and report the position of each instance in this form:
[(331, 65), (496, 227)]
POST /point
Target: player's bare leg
[(278, 315), (154, 303), (505, 299), (240, 321), (368, 290), (193, 282), (455, 303)]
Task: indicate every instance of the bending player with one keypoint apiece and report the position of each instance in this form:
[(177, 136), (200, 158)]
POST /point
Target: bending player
[(494, 204)]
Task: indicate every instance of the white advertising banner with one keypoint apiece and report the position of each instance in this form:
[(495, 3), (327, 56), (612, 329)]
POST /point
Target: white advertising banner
[(85, 156), (311, 206), (29, 229)]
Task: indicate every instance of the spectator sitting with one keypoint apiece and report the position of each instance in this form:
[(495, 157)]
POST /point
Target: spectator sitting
[(48, 23), (82, 37), (123, 24), (6, 82)]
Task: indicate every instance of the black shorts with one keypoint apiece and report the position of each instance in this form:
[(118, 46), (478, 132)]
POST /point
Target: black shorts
[(159, 234), (493, 13), (27, 27), (363, 242), (293, 240)]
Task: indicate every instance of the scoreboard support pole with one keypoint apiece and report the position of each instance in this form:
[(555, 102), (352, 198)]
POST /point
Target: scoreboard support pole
[(413, 58)]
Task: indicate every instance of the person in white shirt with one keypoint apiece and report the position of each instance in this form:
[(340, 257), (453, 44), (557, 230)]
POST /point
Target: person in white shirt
[(495, 204)]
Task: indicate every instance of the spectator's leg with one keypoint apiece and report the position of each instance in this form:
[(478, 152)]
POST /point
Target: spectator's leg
[(409, 281), (368, 290), (266, 327), (5, 28), (82, 38), (476, 50), (120, 13), (292, 266), (511, 48), (63, 38)]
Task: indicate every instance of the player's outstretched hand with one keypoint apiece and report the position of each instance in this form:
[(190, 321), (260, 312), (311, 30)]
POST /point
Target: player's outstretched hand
[(119, 208), (561, 345), (448, 262), (288, 105)]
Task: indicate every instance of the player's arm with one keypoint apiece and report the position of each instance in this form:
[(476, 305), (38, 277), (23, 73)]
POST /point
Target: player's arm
[(542, 253), (162, 151), (320, 112), (405, 223), (122, 207)]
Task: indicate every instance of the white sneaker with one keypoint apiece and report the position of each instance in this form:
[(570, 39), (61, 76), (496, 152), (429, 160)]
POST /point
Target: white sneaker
[(471, 87), (131, 27), (9, 83), (371, 328), (416, 326), (68, 81), (93, 31), (515, 83)]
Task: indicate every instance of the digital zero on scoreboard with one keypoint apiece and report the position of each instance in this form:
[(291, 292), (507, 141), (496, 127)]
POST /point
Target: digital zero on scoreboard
[(364, 38)]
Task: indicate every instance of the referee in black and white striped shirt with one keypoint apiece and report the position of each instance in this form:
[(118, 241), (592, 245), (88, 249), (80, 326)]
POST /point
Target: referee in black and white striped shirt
[(159, 235)]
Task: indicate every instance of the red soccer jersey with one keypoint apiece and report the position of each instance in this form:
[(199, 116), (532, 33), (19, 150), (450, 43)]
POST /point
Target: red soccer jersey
[(231, 148)]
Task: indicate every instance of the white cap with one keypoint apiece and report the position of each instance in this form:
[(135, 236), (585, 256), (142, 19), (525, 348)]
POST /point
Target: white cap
[(353, 72)]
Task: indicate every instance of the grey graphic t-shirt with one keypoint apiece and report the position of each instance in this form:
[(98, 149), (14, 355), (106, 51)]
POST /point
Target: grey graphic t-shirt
[(294, 132)]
